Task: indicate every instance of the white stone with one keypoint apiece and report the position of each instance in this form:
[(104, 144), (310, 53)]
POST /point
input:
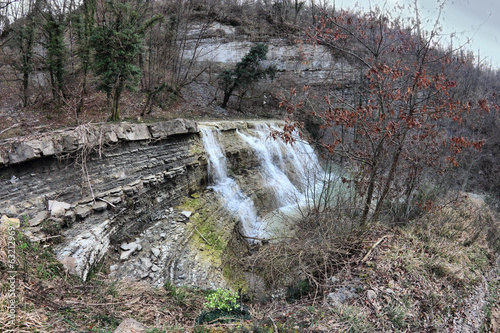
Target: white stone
[(58, 208), (129, 326), (371, 295), (155, 251), (37, 219), (146, 262)]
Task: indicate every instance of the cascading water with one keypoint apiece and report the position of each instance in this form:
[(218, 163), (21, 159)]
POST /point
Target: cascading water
[(236, 202), (288, 171)]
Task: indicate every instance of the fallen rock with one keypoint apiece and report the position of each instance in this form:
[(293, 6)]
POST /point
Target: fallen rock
[(146, 262), (9, 221), (58, 208), (131, 248), (85, 249), (37, 219), (70, 216), (155, 251), (186, 213), (82, 211), (100, 206), (341, 295), (13, 210), (130, 325)]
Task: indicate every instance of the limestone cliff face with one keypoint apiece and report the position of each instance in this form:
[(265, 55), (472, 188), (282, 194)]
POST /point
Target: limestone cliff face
[(133, 193)]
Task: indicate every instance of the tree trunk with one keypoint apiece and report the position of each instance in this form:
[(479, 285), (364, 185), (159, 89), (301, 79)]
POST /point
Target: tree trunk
[(369, 193), (115, 112), (390, 177), (227, 95)]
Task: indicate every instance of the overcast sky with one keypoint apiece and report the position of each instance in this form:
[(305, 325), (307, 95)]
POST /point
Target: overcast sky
[(478, 20)]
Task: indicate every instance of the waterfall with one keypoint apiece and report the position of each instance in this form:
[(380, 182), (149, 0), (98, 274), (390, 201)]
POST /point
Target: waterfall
[(287, 171), (236, 202)]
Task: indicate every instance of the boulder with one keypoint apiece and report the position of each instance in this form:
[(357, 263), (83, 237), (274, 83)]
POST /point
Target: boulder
[(9, 221), (82, 211), (132, 132), (22, 152), (58, 208), (177, 126), (130, 326), (38, 218), (81, 253)]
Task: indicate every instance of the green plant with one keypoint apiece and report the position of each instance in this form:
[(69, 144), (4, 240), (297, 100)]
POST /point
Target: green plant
[(177, 293), (222, 307), (247, 71), (297, 291), (117, 43), (223, 299)]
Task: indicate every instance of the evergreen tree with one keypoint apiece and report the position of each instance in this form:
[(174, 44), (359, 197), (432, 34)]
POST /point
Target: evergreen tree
[(25, 42), (117, 43), (56, 53), (85, 26), (247, 71)]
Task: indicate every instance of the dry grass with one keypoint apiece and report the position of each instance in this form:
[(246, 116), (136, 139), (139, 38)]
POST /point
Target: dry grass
[(416, 278)]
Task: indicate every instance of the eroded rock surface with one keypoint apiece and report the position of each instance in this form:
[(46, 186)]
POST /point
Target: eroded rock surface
[(112, 189)]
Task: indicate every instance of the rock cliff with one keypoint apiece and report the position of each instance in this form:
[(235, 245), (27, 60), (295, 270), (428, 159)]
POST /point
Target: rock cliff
[(133, 195)]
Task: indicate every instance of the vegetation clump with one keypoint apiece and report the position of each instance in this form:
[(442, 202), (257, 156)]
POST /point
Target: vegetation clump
[(223, 306)]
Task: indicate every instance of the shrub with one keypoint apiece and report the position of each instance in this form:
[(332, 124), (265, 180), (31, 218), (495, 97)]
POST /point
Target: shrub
[(222, 307), (223, 299)]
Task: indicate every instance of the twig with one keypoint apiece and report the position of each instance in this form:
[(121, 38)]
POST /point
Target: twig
[(365, 258), (103, 304), (264, 239), (106, 201), (202, 236), (274, 325), (11, 127)]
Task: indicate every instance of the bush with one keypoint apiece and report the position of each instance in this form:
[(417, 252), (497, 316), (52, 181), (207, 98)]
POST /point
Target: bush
[(222, 307), (223, 299)]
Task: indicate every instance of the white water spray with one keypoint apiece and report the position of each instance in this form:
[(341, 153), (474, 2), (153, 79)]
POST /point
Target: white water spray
[(288, 171), (236, 202)]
